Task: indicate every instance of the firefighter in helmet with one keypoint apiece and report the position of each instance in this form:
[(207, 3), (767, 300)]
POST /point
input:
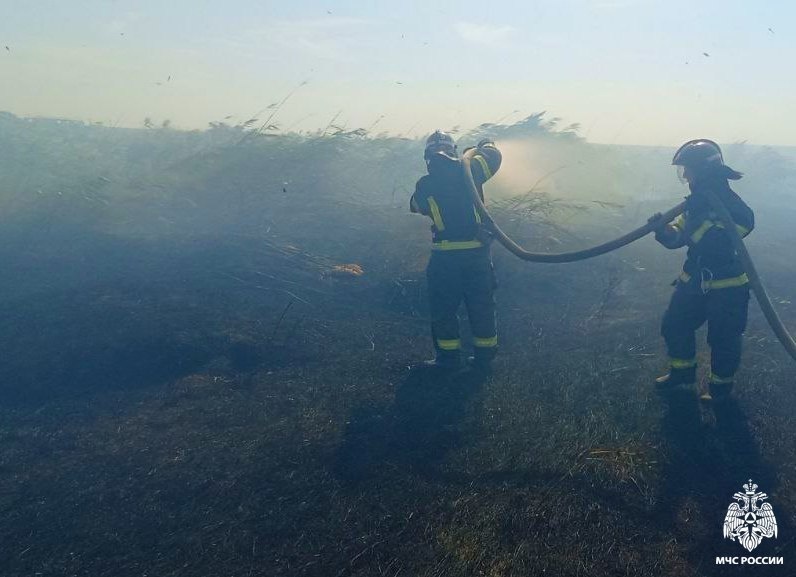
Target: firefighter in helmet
[(713, 286), (460, 267)]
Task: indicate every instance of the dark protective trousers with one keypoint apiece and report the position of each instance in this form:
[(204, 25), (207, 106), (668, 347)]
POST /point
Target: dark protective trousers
[(725, 311), (455, 276)]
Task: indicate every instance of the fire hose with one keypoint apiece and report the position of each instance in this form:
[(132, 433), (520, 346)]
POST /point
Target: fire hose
[(716, 204)]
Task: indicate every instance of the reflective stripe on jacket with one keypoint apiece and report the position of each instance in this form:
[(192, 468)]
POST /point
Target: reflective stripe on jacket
[(711, 262), (443, 196)]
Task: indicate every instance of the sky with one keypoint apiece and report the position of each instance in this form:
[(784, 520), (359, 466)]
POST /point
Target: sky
[(627, 71)]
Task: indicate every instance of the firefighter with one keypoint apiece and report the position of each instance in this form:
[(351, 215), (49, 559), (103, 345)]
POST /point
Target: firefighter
[(713, 286), (460, 267)]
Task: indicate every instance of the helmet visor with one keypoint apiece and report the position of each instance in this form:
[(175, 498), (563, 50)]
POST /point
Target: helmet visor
[(681, 174)]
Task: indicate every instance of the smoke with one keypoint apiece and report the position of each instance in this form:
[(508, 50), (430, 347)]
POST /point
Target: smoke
[(562, 169), (575, 170), (529, 165)]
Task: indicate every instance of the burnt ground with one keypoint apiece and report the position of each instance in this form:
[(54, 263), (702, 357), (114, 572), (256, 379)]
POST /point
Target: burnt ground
[(230, 404)]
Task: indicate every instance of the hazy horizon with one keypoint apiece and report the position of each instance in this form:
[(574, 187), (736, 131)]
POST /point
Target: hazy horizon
[(626, 71)]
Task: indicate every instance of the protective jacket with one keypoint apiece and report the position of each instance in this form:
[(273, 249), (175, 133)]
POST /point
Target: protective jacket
[(711, 261), (443, 196)]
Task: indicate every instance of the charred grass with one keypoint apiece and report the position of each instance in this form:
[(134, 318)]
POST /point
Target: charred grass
[(238, 404)]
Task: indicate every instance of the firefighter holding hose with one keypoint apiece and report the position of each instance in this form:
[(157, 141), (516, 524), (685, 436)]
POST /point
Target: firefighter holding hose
[(460, 267), (713, 286)]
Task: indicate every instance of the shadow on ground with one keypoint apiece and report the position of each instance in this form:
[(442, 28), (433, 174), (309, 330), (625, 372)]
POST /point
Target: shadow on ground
[(427, 420), (710, 445)]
